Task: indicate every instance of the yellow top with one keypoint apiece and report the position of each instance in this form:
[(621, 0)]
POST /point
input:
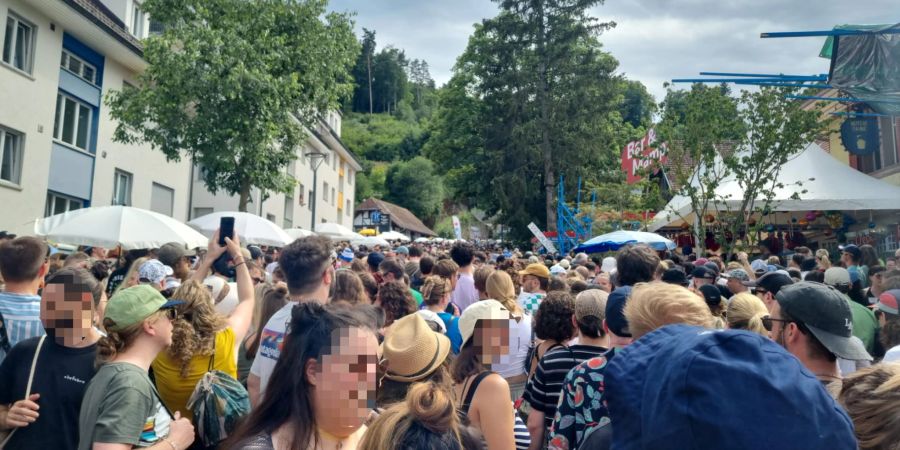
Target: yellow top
[(175, 390)]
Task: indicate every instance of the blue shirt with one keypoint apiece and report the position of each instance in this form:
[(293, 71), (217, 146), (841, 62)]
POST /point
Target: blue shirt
[(452, 324), (21, 317)]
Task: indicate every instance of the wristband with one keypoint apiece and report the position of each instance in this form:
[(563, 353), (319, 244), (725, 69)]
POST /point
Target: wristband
[(238, 264)]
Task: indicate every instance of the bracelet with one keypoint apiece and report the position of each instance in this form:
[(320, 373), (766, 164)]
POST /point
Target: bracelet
[(167, 441), (238, 264)]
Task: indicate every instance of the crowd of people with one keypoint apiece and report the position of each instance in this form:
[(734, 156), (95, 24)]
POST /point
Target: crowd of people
[(319, 345)]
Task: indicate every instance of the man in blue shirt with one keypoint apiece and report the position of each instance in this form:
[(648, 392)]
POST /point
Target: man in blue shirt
[(23, 265)]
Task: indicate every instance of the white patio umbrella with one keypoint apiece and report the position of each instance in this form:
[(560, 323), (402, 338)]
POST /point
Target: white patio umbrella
[(370, 241), (394, 236), (126, 226), (251, 228), (421, 240), (298, 233), (337, 232)]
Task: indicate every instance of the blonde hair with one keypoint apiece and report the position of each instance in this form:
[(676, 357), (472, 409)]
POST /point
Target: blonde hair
[(745, 312), (427, 405), (131, 276), (194, 331), (348, 287), (871, 397), (434, 289), (823, 258), (656, 304), (500, 287)]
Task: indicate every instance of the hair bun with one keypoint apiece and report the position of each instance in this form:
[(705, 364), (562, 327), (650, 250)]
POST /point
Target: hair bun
[(305, 315), (280, 289), (432, 406)]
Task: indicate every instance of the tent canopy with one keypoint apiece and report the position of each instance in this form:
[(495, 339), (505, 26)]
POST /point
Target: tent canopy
[(835, 186)]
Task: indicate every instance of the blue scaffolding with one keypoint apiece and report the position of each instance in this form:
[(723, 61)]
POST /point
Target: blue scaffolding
[(571, 229)]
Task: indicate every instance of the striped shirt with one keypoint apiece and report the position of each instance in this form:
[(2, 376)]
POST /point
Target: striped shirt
[(543, 390), (21, 317)]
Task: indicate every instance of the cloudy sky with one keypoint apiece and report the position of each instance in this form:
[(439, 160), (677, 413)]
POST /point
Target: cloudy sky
[(654, 41)]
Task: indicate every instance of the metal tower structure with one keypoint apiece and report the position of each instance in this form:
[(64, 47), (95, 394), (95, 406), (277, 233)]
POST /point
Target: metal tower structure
[(571, 229)]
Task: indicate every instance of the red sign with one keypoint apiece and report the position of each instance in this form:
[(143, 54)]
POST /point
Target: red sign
[(639, 155)]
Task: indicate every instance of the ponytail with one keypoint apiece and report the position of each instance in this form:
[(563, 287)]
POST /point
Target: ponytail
[(115, 342), (426, 419)]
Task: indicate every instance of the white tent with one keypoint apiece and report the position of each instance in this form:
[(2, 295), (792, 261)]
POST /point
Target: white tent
[(835, 186)]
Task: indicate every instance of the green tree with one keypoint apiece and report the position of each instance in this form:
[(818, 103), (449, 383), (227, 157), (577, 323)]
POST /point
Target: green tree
[(415, 185), (235, 95), (362, 100), (390, 84), (637, 107)]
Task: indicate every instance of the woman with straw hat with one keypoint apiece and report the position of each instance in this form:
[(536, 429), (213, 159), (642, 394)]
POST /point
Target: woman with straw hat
[(411, 353)]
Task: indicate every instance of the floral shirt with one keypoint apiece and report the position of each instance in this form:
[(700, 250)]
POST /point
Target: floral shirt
[(582, 406)]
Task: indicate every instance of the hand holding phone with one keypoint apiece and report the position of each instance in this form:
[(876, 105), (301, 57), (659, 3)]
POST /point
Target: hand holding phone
[(226, 229)]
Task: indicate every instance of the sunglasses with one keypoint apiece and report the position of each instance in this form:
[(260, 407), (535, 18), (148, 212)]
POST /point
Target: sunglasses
[(258, 280), (171, 313), (767, 322)]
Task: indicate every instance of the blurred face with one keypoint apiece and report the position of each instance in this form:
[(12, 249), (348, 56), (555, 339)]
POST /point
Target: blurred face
[(735, 286), (345, 381), (891, 264), (67, 314), (530, 283), (257, 276), (491, 337), (604, 283), (846, 259), (182, 268)]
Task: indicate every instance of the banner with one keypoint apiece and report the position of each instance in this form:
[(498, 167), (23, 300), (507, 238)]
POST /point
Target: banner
[(540, 237), (457, 228), (639, 155)]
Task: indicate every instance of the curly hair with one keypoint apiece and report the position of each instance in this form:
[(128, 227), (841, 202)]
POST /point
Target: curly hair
[(426, 419), (194, 331), (396, 301), (553, 319)]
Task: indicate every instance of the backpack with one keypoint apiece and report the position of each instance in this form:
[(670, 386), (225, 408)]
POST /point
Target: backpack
[(218, 402)]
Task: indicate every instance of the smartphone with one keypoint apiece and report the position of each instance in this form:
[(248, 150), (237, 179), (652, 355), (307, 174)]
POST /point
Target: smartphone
[(226, 229)]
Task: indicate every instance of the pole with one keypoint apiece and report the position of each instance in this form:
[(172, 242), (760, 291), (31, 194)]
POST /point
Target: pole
[(312, 225)]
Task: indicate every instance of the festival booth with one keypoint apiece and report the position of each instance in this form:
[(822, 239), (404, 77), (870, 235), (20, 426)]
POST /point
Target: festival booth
[(839, 204)]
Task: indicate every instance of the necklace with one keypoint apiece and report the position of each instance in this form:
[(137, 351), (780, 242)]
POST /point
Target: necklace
[(827, 376)]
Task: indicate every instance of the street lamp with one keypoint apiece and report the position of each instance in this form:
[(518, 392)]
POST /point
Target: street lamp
[(315, 160)]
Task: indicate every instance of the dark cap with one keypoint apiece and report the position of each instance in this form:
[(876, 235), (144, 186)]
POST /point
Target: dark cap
[(711, 294), (255, 252), (712, 266), (6, 235), (615, 311), (808, 264), (675, 276), (772, 282), (826, 312), (704, 272), (851, 249), (170, 253), (374, 259)]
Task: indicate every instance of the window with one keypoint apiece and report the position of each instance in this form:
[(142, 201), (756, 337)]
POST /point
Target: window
[(270, 217), (18, 43), (137, 21), (10, 156), (58, 204), (200, 212), (79, 67), (334, 161), (349, 177), (156, 28), (162, 199), (73, 122), (332, 196), (325, 191), (302, 200), (121, 188), (347, 209), (289, 211)]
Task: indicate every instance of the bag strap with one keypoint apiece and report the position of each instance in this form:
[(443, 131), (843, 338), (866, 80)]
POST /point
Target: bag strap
[(212, 357), (4, 337), (470, 394), (34, 359)]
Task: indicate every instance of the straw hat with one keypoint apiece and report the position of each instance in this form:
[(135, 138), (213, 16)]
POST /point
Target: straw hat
[(412, 351)]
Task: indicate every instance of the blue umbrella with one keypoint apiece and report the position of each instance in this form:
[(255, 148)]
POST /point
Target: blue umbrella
[(615, 240)]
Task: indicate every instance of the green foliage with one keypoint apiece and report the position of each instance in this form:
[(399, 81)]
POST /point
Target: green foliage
[(415, 185), (637, 107), (370, 183), (382, 137), (235, 94)]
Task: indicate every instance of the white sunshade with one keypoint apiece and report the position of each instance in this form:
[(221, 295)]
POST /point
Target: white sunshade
[(298, 233), (371, 241), (337, 232), (251, 228), (835, 186), (111, 226), (394, 236)]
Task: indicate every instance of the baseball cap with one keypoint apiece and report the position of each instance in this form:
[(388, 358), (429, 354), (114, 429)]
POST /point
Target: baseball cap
[(374, 259), (615, 311), (480, 310), (153, 271), (132, 305), (700, 262), (170, 253), (682, 377), (758, 265), (564, 263), (703, 272), (432, 316), (711, 294), (536, 269), (825, 311), (837, 276), (346, 254), (675, 276), (557, 269), (808, 264), (738, 274), (608, 264), (888, 302), (255, 252), (772, 282), (851, 249), (586, 305), (402, 250)]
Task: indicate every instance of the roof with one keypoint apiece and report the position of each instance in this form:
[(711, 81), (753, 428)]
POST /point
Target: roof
[(100, 15), (399, 215)]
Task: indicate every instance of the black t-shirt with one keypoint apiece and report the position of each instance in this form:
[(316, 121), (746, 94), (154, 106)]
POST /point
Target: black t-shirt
[(543, 389), (61, 377)]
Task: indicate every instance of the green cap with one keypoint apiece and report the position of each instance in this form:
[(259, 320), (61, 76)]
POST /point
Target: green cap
[(131, 306)]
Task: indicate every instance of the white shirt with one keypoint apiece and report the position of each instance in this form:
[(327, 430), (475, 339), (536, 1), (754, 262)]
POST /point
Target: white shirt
[(892, 355), (271, 342), (513, 364)]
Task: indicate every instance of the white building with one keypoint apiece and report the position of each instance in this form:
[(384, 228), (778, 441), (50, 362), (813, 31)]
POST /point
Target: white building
[(336, 178), (58, 60)]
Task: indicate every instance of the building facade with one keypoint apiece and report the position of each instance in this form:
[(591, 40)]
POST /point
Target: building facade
[(384, 216), (58, 61)]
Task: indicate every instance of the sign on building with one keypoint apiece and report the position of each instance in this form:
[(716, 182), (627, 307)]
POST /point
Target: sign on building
[(639, 155)]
